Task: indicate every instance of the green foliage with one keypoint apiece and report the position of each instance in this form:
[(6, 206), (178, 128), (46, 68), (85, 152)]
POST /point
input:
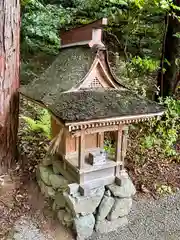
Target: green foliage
[(41, 24), (109, 148), (142, 66), (41, 125), (177, 35), (164, 133), (42, 19)]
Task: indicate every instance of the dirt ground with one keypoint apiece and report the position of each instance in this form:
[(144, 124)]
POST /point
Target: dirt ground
[(18, 199), (19, 192)]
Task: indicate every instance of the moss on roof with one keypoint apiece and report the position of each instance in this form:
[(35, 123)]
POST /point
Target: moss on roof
[(91, 105), (69, 68), (67, 71)]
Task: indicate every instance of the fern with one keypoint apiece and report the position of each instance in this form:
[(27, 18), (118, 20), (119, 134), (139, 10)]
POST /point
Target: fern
[(41, 125)]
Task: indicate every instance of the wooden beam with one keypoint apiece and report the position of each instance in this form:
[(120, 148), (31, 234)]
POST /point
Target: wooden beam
[(101, 129), (81, 151), (77, 143), (124, 144), (101, 139), (118, 149), (118, 144), (120, 120)]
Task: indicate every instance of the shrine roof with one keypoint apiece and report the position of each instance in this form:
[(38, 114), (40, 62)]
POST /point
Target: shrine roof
[(68, 69), (100, 104), (84, 57)]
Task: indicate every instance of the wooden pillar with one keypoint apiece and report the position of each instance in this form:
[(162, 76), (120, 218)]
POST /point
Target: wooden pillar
[(81, 151), (118, 150), (101, 140), (124, 144), (77, 143)]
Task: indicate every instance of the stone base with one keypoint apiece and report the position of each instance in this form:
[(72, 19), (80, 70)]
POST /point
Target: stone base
[(103, 209)]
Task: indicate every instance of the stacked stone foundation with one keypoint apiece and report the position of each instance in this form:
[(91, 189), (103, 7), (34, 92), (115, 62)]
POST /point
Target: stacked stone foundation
[(103, 209)]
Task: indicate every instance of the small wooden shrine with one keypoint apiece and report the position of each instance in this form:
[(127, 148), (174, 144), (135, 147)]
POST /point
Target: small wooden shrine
[(86, 100)]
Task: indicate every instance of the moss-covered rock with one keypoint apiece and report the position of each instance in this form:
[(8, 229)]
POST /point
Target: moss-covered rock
[(59, 200), (121, 208), (47, 191), (57, 181), (84, 205), (45, 173), (105, 207), (126, 190)]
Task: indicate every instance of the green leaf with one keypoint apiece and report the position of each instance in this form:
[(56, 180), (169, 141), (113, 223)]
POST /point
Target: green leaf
[(120, 2), (177, 35)]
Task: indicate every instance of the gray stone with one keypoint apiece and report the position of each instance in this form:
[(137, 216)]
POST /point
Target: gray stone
[(121, 208), (68, 219), (73, 189), (47, 161), (47, 191), (105, 207), (84, 226), (55, 169), (84, 205), (107, 193), (65, 218), (59, 200), (84, 190), (54, 207), (57, 181), (60, 215), (106, 226), (70, 211), (50, 192), (126, 190), (45, 172)]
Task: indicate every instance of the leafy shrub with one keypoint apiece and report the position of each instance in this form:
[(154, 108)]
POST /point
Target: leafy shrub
[(109, 148), (41, 24), (142, 66), (41, 125), (164, 132)]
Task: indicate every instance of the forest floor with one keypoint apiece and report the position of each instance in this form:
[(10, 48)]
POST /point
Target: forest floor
[(22, 203)]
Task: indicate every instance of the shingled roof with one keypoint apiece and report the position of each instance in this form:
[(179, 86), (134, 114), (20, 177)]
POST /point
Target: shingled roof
[(100, 104), (68, 69), (79, 65)]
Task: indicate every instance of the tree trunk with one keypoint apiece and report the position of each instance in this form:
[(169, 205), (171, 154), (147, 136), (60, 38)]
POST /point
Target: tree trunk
[(9, 79), (167, 77)]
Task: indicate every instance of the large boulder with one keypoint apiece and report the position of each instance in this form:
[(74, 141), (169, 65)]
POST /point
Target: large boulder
[(59, 201), (84, 205), (105, 207), (121, 208), (106, 226), (65, 218), (126, 190), (47, 160), (73, 189), (55, 168), (47, 191), (45, 172), (57, 181), (84, 226)]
